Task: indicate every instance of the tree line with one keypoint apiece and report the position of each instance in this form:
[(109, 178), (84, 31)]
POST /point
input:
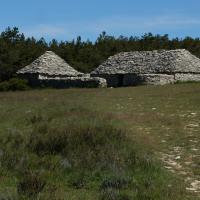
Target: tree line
[(17, 51)]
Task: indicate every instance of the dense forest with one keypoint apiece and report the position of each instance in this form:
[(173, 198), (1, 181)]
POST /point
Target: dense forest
[(16, 51)]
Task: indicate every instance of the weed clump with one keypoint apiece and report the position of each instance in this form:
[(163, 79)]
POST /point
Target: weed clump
[(31, 184)]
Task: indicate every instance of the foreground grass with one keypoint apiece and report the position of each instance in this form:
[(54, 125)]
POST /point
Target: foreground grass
[(88, 155), (100, 143)]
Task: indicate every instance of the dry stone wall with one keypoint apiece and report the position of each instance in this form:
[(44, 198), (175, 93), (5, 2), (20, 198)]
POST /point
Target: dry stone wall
[(65, 82), (157, 79), (50, 70), (187, 77), (74, 83), (123, 69), (149, 67)]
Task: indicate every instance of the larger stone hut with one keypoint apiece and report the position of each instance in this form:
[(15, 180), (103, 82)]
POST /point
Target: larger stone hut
[(149, 67), (52, 71)]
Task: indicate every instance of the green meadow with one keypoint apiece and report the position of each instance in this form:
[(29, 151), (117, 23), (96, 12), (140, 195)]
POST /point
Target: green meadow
[(133, 143)]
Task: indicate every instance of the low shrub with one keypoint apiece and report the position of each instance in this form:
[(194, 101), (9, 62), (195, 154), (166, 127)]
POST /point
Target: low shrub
[(116, 182), (81, 154), (78, 181), (31, 184), (9, 157), (4, 86), (90, 146), (110, 194), (14, 84), (9, 195)]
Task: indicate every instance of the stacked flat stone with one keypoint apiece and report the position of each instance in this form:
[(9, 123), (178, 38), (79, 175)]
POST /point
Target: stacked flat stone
[(70, 82), (52, 71), (156, 67), (167, 62), (51, 65)]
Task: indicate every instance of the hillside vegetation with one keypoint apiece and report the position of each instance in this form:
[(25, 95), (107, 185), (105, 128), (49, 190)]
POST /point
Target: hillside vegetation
[(17, 51), (107, 144)]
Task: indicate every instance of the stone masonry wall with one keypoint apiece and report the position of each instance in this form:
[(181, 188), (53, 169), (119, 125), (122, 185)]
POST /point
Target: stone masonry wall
[(112, 79), (72, 83), (131, 80), (187, 77), (157, 79), (157, 67), (36, 80)]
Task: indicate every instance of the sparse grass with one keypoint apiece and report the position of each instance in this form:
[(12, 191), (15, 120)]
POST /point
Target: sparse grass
[(98, 143)]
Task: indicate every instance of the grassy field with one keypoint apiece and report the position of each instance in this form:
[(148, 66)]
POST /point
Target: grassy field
[(108, 144)]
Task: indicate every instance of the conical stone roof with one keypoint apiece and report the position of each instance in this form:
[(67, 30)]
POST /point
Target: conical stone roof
[(150, 62), (50, 64)]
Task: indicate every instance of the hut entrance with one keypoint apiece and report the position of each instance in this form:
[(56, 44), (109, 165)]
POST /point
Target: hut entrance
[(120, 80)]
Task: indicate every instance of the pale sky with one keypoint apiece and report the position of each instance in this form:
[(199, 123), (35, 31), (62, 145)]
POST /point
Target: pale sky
[(67, 19)]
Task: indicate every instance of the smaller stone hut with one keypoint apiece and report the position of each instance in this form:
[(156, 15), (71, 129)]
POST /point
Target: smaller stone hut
[(157, 67), (52, 71)]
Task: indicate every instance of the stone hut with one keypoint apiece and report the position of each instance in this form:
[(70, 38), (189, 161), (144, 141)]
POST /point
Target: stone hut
[(157, 67), (52, 71)]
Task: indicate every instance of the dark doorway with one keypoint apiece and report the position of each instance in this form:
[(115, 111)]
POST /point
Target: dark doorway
[(120, 80)]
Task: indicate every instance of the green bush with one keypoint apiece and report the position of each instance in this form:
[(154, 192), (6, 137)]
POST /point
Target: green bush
[(4, 86), (116, 183), (9, 196), (14, 84), (78, 181), (89, 146), (110, 194), (31, 184)]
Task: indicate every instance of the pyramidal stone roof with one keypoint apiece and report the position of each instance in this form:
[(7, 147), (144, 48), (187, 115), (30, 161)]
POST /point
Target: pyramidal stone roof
[(50, 64), (150, 62)]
